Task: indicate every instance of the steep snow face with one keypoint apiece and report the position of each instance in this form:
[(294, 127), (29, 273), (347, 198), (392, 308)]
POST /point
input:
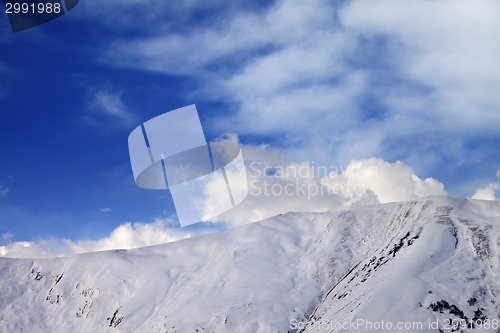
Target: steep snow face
[(415, 263), (437, 267)]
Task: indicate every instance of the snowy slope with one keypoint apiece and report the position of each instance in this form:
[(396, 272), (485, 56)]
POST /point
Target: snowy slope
[(432, 259)]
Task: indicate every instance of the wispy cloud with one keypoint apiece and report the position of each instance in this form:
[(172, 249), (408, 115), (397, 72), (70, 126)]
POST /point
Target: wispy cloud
[(6, 236), (105, 210), (359, 78), (106, 107), (450, 58), (4, 186), (3, 191), (111, 105)]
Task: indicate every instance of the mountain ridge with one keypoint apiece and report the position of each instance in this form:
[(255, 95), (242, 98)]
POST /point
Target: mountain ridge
[(403, 262)]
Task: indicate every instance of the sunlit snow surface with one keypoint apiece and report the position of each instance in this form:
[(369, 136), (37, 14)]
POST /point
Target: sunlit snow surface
[(389, 263)]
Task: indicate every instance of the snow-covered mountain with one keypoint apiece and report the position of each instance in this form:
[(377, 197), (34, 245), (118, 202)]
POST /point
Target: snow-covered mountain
[(417, 266)]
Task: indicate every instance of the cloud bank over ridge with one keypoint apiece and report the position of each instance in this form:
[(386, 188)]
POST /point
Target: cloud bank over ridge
[(276, 186)]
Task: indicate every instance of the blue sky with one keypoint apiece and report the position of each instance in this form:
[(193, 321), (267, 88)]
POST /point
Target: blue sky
[(323, 81)]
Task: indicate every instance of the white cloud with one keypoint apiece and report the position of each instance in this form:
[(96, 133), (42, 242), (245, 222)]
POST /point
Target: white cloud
[(131, 235), (487, 192), (36, 249), (389, 182), (125, 236), (452, 56), (278, 185), (110, 104), (295, 189), (362, 78), (105, 210)]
